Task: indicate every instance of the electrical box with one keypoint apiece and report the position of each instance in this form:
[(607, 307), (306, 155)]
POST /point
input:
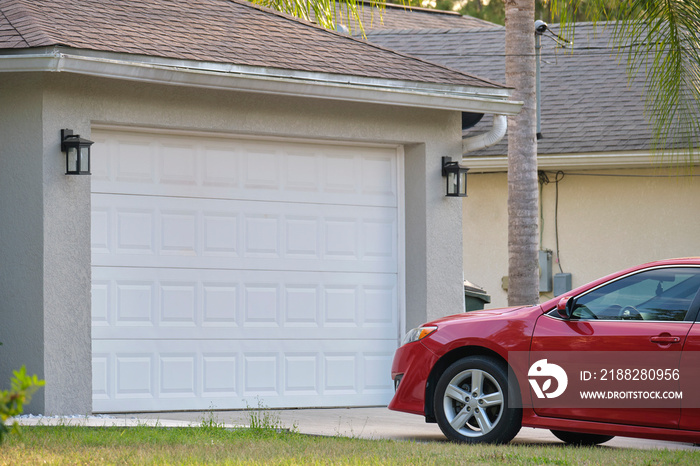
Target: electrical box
[(562, 283), (545, 271)]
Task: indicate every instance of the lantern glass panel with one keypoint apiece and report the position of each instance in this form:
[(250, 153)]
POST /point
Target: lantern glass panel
[(462, 183), (84, 162), (452, 183), (72, 159)]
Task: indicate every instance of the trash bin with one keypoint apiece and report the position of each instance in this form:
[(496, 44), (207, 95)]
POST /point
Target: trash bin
[(474, 297)]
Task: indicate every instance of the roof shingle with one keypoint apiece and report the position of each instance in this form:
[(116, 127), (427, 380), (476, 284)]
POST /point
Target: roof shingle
[(400, 17), (588, 104), (219, 31)]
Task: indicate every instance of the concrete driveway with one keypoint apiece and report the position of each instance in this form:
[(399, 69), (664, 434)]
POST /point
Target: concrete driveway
[(371, 423)]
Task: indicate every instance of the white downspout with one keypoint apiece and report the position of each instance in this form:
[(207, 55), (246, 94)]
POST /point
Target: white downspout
[(488, 139)]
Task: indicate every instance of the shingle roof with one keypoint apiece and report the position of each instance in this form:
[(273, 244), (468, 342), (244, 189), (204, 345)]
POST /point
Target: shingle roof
[(220, 31), (400, 17), (587, 102)]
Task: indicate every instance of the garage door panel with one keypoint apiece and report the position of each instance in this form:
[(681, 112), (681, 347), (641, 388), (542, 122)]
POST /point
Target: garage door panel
[(233, 375), (182, 303), (198, 233), (227, 270), (148, 164)]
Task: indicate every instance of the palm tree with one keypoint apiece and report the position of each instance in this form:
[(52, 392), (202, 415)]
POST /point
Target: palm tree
[(659, 37), (523, 198)]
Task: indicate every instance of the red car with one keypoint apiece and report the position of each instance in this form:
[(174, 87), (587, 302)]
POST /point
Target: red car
[(619, 356)]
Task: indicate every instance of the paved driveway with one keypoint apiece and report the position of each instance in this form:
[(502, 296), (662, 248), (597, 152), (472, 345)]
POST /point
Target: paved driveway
[(377, 423)]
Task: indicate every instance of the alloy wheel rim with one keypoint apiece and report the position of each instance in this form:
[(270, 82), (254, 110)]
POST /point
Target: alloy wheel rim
[(473, 403)]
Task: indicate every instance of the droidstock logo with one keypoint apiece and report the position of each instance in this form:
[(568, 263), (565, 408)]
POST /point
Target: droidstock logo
[(542, 370)]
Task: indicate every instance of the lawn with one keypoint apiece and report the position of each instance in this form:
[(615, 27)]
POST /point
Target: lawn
[(212, 444)]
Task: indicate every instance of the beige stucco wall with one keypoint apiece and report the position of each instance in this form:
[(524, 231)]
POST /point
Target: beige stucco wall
[(608, 220), (45, 215)]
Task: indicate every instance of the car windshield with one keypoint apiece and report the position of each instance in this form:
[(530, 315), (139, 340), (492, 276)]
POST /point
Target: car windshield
[(660, 294)]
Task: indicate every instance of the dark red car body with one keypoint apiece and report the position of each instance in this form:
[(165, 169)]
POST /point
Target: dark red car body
[(495, 333)]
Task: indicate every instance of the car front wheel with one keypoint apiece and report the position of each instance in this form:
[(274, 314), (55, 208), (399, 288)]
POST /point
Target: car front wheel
[(577, 438), (472, 404)]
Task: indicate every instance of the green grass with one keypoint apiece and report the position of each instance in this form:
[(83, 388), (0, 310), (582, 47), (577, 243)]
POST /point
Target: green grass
[(212, 444)]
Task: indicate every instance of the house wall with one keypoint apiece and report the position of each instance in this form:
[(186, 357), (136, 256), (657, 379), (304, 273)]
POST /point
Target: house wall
[(45, 215), (21, 229), (607, 220)]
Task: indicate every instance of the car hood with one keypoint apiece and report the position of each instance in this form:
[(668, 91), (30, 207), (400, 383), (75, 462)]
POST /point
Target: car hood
[(479, 315)]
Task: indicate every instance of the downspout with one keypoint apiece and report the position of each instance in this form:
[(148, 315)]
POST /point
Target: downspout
[(488, 139)]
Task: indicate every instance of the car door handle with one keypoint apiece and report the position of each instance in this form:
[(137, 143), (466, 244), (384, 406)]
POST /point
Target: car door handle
[(665, 340)]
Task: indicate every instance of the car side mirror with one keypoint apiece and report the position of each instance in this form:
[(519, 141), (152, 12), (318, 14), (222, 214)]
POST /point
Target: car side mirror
[(565, 307)]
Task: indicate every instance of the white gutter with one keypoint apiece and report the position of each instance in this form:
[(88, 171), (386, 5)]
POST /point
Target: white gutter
[(583, 161), (488, 139), (260, 79)]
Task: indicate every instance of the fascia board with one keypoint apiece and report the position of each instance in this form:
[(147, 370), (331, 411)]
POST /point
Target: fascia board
[(263, 80), (492, 164)]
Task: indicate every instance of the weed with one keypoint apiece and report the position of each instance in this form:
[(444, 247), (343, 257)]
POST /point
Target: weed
[(262, 418), (210, 420), (351, 433)]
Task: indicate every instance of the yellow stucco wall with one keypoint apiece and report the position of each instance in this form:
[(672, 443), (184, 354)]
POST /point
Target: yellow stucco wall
[(607, 220)]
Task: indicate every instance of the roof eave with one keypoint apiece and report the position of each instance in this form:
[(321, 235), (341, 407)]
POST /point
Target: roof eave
[(210, 75), (582, 161)]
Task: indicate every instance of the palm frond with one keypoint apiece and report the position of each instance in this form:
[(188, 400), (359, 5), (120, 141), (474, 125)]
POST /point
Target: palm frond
[(660, 40), (329, 14)]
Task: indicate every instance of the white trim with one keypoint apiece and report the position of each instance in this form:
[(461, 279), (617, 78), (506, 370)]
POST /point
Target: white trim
[(262, 80), (590, 161), (228, 134), (401, 241)]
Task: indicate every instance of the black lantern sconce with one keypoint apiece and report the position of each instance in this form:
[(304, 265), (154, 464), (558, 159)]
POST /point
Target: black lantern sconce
[(77, 152), (456, 178)]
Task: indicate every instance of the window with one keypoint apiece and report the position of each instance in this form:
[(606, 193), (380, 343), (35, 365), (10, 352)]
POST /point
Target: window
[(658, 294)]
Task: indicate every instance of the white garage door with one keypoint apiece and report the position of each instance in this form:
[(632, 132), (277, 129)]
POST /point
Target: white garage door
[(231, 272)]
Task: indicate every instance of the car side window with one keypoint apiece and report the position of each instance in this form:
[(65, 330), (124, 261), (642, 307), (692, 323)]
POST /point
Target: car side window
[(659, 294)]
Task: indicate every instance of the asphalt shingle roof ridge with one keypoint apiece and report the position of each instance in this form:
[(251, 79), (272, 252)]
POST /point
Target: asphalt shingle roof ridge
[(398, 6), (586, 23), (402, 17), (417, 9), (599, 25), (427, 31)]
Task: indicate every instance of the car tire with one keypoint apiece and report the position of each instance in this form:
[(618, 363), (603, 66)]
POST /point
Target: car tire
[(472, 403), (578, 438)]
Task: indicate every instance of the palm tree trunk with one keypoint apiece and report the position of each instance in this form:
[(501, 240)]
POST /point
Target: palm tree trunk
[(523, 268)]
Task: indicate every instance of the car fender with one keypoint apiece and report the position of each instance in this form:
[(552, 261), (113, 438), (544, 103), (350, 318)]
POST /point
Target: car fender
[(496, 337)]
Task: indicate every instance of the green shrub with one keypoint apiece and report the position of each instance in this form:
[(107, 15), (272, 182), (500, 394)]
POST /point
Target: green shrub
[(12, 401)]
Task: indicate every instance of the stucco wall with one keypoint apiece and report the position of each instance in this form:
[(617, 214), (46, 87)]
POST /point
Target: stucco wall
[(61, 219), (21, 229), (608, 220)]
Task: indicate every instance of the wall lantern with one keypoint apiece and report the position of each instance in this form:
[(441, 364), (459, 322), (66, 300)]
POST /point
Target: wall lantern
[(456, 178), (77, 152)]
